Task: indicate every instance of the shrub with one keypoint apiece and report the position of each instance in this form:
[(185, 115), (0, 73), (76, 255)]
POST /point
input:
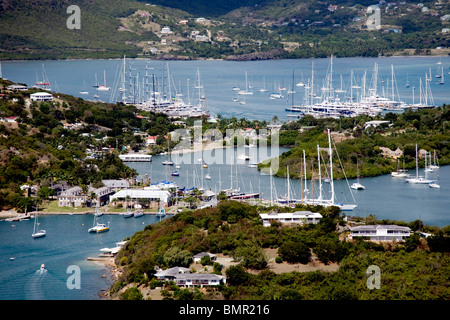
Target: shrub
[(293, 252), (132, 293)]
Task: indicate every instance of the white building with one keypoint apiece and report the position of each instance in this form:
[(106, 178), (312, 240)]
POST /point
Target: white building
[(151, 193), (41, 96), (135, 157), (200, 255), (184, 277), (379, 232), (199, 279), (17, 87), (166, 30), (298, 217)]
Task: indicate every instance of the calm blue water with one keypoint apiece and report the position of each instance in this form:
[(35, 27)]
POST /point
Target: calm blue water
[(67, 243), (219, 77)]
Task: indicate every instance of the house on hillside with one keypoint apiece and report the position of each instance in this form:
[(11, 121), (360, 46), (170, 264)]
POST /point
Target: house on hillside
[(379, 232), (200, 255), (297, 217), (388, 153)]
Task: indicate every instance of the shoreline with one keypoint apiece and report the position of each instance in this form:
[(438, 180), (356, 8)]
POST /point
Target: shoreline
[(394, 55)]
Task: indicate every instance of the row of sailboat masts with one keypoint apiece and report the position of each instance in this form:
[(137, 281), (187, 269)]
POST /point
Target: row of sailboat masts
[(357, 92), (149, 88), (304, 184)]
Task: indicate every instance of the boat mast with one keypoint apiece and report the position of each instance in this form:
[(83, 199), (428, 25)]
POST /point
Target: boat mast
[(331, 166), (304, 165), (417, 165), (320, 175)]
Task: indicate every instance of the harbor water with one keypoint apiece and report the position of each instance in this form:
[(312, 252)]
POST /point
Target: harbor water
[(219, 78), (66, 244)]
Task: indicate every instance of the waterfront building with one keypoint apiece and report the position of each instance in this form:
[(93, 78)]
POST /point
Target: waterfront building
[(116, 184), (297, 217), (379, 232), (184, 277), (135, 157), (72, 197), (153, 194)]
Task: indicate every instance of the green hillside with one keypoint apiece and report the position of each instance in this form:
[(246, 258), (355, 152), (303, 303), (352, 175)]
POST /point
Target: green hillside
[(236, 30)]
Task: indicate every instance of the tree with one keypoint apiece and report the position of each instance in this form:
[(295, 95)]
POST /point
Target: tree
[(132, 293), (250, 255), (237, 275), (294, 252), (176, 257)]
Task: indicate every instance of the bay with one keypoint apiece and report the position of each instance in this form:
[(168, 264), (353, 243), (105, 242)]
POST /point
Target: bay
[(67, 243), (219, 77)]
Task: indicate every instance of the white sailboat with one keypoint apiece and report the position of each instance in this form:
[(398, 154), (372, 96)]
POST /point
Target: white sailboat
[(127, 213), (263, 89), (357, 184), (161, 211), (98, 227), (103, 87), (419, 179), (400, 173), (332, 201), (36, 232), (168, 162), (84, 88), (245, 92)]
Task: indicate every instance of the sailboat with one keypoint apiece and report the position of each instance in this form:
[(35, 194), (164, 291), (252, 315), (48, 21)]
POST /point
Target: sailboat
[(161, 211), (419, 179), (400, 173), (44, 83), (245, 92), (442, 76), (103, 87), (98, 227), (263, 89), (127, 213), (207, 177), (36, 232), (357, 185), (84, 89), (168, 162), (332, 200)]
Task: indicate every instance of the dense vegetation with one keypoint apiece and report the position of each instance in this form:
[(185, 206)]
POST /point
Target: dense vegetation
[(413, 270), (253, 29), (361, 147)]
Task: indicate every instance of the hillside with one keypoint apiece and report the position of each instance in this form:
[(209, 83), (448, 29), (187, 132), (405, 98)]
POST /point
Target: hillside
[(415, 269), (238, 30)]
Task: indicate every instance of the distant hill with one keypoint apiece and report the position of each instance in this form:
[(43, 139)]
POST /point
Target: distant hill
[(207, 8), (236, 30)]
